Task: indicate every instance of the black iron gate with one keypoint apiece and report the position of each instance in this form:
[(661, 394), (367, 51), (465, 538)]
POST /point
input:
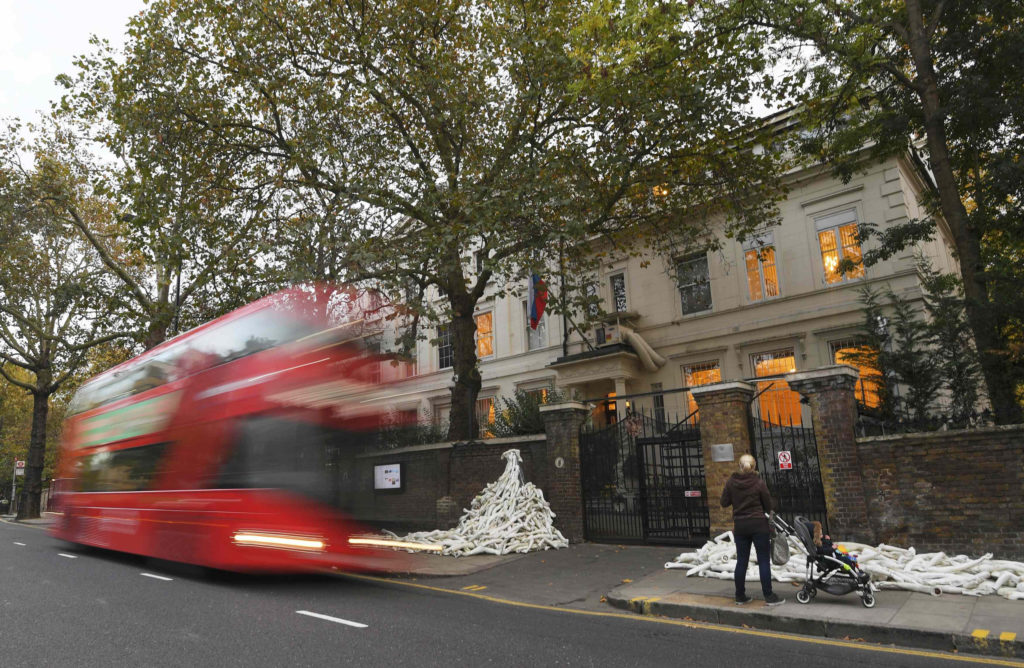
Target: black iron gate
[(643, 481), (776, 426)]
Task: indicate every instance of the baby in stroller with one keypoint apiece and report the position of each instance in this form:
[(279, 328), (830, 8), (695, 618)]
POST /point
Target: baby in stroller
[(830, 568)]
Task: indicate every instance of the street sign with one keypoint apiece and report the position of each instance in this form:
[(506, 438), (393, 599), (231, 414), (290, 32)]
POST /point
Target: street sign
[(19, 464), (785, 460), (691, 493)]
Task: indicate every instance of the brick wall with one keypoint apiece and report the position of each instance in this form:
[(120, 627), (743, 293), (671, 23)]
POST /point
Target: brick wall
[(439, 481), (957, 491)]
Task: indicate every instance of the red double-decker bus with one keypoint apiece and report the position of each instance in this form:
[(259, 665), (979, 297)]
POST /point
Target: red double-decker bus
[(221, 446)]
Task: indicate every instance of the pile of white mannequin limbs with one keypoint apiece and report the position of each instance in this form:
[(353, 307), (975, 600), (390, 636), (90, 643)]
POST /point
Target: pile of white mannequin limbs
[(509, 515), (890, 568)]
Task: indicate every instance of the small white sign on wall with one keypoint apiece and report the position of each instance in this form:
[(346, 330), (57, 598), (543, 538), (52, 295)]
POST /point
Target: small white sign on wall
[(387, 476)]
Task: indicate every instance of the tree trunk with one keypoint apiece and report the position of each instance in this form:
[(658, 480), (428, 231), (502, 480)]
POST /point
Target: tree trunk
[(157, 331), (464, 424), (967, 239), (29, 505)]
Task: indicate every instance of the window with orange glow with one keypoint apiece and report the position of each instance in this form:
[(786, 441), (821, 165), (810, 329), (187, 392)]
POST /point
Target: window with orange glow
[(485, 415), (778, 404), (762, 275), (485, 334), (865, 360), (701, 373), (837, 238)]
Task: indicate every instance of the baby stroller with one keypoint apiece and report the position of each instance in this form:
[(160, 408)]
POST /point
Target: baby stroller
[(829, 568)]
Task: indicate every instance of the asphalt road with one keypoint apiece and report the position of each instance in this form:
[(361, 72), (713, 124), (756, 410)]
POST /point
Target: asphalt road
[(64, 605)]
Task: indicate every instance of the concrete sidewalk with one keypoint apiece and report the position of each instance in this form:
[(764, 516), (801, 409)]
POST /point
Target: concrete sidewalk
[(977, 624)]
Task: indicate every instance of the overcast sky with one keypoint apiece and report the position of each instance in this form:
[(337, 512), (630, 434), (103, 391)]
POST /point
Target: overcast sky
[(39, 38)]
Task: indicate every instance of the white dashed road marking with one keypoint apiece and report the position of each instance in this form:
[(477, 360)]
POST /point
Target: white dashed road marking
[(156, 577), (66, 556), (336, 620), (17, 543)]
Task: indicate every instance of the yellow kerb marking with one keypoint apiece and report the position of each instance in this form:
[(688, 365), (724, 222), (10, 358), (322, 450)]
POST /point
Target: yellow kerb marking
[(474, 588), (1007, 636), (958, 658), (980, 633)]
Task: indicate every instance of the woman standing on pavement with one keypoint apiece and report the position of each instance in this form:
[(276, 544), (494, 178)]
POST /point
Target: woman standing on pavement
[(750, 501)]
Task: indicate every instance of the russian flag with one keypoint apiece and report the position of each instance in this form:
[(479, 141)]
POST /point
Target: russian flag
[(536, 299)]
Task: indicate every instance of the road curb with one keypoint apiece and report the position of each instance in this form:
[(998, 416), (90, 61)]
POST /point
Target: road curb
[(837, 630)]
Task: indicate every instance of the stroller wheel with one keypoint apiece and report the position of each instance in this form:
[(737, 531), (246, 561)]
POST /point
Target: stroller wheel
[(804, 596), (868, 599)]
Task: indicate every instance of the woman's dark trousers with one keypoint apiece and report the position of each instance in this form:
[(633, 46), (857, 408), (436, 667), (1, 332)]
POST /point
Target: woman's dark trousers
[(762, 546)]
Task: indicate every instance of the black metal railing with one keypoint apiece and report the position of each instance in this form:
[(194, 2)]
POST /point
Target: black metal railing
[(794, 479), (643, 478)]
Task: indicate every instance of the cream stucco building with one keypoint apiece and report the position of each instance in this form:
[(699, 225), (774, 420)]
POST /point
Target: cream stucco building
[(768, 306)]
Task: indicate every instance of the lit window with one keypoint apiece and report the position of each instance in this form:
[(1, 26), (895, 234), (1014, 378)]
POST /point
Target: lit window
[(485, 415), (778, 404), (618, 283), (695, 375), (445, 352), (485, 334), (865, 360), (762, 274), (694, 283), (535, 338), (540, 396), (837, 237)]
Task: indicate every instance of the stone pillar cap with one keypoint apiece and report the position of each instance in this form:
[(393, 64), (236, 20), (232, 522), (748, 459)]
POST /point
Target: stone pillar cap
[(565, 405), (723, 386), (823, 373)]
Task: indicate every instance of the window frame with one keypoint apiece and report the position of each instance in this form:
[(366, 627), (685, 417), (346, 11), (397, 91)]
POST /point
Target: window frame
[(757, 244), (477, 338), (695, 257), (444, 342), (687, 371), (611, 292), (774, 397), (530, 333), (861, 389), (833, 224)]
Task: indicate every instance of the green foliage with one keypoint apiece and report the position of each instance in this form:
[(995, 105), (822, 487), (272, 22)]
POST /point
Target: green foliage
[(956, 356), (519, 414), (398, 138), (400, 436), (923, 361), (943, 81)]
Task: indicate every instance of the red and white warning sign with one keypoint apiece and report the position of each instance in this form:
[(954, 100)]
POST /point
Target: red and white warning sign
[(785, 460), (691, 493)]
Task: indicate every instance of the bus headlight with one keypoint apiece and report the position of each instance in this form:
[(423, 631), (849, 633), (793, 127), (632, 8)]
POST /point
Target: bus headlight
[(395, 544), (261, 539)]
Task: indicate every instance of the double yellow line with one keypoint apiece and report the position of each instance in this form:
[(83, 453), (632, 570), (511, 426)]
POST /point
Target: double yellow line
[(985, 660)]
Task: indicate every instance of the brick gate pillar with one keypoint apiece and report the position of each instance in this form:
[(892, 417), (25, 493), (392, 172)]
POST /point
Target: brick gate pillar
[(724, 419), (562, 424), (831, 393)]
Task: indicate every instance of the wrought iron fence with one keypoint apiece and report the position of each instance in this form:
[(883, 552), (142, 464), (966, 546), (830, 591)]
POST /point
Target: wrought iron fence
[(643, 477), (787, 457)]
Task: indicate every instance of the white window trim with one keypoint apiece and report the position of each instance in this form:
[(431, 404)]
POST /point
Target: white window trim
[(611, 293), (831, 222), (756, 242), (678, 288)]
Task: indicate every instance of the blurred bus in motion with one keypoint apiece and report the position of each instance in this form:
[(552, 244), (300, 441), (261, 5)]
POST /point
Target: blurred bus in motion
[(220, 447)]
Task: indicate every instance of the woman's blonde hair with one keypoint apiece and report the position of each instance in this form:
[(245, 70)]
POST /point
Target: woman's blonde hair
[(747, 464)]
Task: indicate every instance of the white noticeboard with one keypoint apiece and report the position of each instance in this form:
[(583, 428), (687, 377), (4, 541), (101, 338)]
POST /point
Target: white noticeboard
[(387, 476)]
